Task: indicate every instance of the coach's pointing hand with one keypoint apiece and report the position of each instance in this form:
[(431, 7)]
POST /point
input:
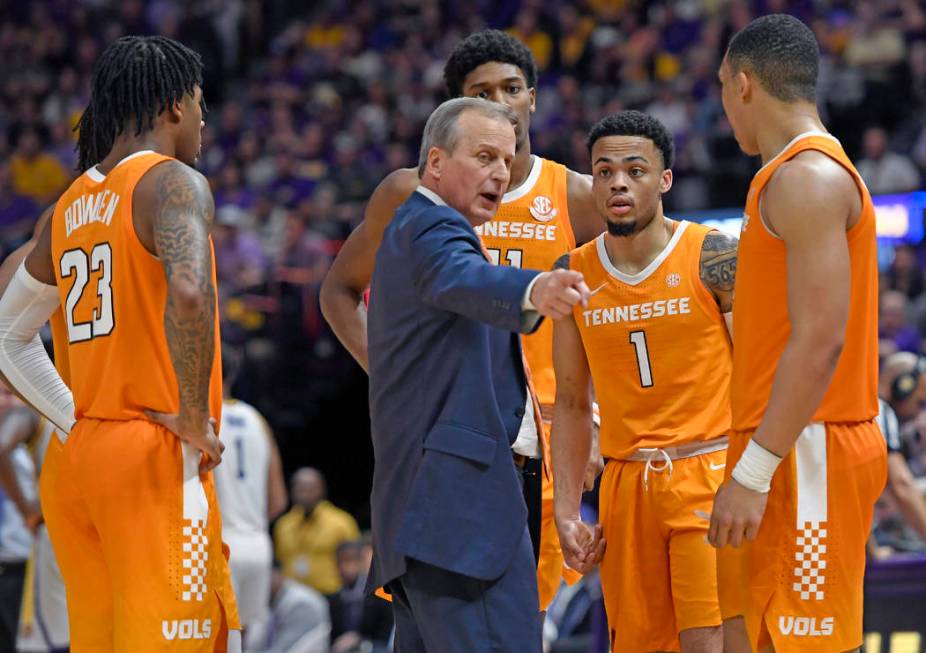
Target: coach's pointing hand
[(556, 292)]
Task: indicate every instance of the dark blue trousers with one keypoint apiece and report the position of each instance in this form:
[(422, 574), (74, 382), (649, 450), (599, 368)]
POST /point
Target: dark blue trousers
[(438, 611)]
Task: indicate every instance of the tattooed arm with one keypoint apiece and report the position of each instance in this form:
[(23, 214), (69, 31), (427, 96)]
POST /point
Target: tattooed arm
[(177, 225), (718, 267)]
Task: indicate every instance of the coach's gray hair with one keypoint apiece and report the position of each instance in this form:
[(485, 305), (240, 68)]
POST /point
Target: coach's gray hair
[(441, 128)]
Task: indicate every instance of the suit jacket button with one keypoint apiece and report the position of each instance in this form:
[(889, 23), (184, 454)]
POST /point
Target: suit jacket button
[(519, 413)]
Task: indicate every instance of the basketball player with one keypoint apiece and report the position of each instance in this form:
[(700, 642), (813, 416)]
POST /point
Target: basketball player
[(251, 492), (806, 461), (654, 343), (127, 255), (547, 209)]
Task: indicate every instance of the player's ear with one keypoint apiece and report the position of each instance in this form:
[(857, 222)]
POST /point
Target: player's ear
[(533, 93), (743, 84), (174, 112), (665, 182)]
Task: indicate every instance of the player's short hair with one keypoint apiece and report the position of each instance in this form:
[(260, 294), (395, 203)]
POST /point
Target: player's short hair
[(782, 53), (635, 123), (134, 80), (490, 45), (441, 128)]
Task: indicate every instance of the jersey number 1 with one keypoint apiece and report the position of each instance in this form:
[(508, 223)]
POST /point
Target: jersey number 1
[(75, 263), (638, 340)]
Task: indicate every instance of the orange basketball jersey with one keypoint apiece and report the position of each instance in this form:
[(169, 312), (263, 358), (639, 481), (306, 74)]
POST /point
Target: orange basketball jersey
[(531, 230), (59, 342), (657, 347), (760, 310), (113, 293)]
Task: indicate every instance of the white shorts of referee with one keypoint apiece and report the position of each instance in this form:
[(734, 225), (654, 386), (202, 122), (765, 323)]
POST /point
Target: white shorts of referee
[(251, 560)]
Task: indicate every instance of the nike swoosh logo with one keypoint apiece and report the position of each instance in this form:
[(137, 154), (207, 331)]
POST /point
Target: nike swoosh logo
[(716, 467), (598, 288)]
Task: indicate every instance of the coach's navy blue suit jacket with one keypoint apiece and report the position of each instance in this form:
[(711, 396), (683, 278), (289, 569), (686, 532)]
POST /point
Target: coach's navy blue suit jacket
[(447, 396)]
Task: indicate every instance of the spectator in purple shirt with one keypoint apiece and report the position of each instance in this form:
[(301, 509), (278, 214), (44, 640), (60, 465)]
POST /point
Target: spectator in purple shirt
[(239, 253)]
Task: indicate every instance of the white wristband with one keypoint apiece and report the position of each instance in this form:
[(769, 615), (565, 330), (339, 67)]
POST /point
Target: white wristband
[(596, 414), (756, 467)]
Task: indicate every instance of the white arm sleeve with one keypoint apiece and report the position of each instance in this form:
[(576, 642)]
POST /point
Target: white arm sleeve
[(24, 308)]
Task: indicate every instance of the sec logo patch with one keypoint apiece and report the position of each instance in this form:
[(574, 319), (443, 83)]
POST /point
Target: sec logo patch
[(542, 209)]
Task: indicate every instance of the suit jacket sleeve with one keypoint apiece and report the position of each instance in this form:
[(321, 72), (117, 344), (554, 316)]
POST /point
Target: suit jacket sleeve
[(451, 273)]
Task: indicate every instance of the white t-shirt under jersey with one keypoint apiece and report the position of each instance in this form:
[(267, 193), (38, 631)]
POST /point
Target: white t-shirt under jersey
[(241, 479)]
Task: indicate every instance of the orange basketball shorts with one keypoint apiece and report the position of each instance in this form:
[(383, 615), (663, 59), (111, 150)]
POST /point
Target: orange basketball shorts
[(799, 584), (137, 533), (659, 574)]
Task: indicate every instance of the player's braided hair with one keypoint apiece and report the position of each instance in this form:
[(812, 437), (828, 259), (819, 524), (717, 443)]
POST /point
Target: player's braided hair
[(134, 80), (490, 45), (635, 123)]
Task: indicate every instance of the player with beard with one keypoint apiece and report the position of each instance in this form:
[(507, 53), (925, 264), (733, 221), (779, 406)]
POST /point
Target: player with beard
[(654, 344)]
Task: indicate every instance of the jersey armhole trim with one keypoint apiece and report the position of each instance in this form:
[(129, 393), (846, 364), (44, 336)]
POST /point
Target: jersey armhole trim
[(130, 222), (562, 172), (856, 178)]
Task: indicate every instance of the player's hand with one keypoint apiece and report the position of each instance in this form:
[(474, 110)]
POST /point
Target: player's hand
[(556, 292), (204, 439), (736, 516), (583, 544)]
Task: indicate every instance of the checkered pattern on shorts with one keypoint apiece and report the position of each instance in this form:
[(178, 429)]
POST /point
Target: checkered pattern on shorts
[(811, 565), (195, 557)]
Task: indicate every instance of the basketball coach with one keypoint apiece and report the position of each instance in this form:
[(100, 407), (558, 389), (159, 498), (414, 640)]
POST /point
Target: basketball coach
[(449, 394)]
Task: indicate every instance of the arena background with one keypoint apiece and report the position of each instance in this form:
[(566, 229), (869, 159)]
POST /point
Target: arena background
[(312, 103)]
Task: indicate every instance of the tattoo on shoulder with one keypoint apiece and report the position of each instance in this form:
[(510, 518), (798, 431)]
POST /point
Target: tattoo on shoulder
[(562, 263), (183, 210), (718, 265), (182, 213)]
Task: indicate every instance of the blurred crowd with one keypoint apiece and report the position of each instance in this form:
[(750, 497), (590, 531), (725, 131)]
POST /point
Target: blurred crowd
[(311, 104)]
